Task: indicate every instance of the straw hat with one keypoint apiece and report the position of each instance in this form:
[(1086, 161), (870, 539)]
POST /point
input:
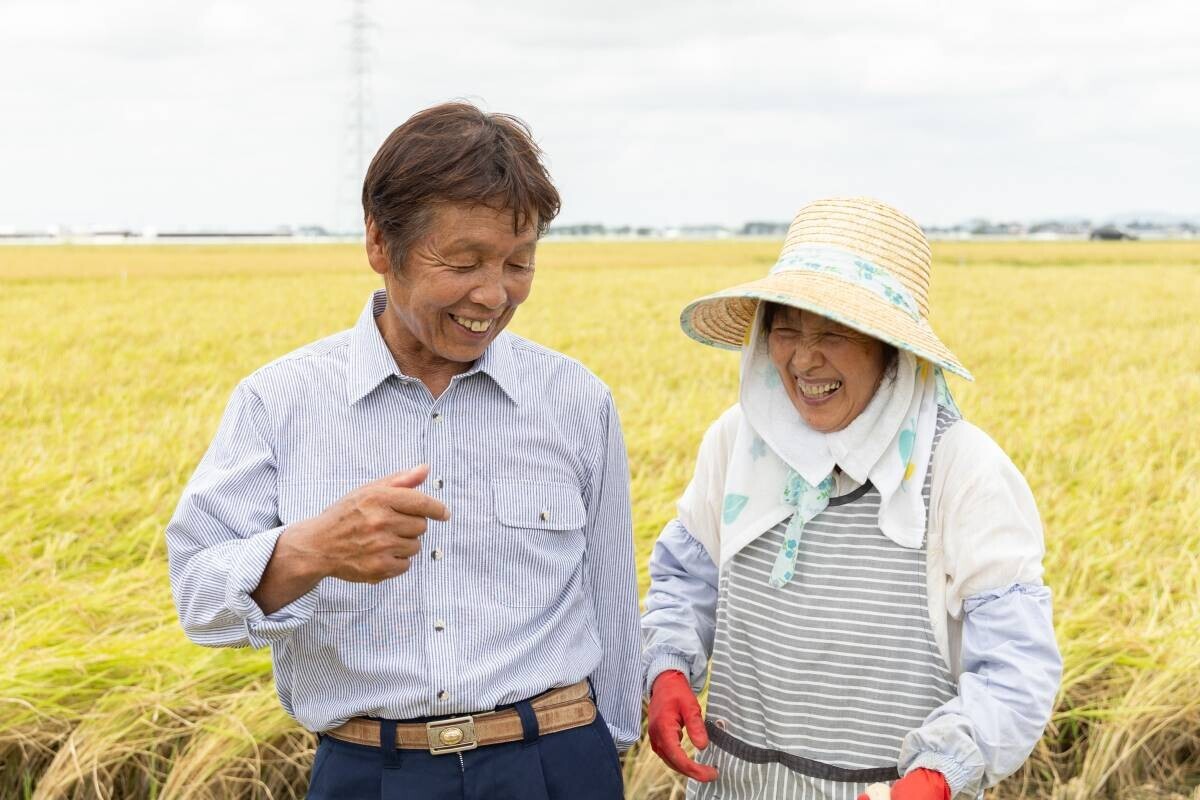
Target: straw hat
[(854, 260)]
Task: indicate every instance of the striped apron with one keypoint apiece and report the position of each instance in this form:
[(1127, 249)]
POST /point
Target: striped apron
[(815, 685)]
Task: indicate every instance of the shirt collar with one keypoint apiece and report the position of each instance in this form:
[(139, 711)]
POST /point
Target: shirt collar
[(371, 362)]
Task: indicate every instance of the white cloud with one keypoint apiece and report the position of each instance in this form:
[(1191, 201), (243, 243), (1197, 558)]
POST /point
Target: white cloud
[(223, 113)]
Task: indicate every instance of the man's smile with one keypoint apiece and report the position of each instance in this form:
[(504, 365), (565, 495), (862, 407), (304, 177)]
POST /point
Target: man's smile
[(473, 325)]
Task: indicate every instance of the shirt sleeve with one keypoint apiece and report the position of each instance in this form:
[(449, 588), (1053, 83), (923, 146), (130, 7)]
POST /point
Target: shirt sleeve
[(223, 533), (612, 578), (1010, 663), (681, 603), (699, 509), (991, 530), (1006, 692), (681, 608)]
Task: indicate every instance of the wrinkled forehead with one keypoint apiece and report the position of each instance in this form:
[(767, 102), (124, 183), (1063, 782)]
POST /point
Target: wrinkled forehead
[(480, 226)]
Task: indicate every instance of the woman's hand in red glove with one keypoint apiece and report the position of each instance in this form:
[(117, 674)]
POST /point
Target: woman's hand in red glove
[(673, 706), (920, 784)]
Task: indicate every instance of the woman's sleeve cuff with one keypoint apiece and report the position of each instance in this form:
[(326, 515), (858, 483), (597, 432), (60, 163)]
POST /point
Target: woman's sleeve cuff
[(1038, 591), (962, 779), (667, 660)]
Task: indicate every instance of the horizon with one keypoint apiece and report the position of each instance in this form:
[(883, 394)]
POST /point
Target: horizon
[(1152, 220)]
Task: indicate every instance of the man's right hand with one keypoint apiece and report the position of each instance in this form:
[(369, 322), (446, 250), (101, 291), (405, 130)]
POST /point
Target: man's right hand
[(673, 707), (370, 534)]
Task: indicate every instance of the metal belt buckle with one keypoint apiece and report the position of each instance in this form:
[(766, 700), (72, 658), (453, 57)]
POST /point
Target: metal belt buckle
[(451, 735)]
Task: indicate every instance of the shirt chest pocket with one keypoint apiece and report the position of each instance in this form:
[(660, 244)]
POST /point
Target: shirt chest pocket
[(539, 548), (301, 500)]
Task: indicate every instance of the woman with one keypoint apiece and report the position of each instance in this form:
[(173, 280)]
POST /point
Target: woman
[(862, 566)]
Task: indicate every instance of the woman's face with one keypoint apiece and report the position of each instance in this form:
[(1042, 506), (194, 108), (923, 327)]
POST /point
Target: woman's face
[(830, 371)]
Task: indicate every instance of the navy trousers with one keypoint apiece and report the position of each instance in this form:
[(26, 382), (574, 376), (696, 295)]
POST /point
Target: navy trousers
[(576, 764)]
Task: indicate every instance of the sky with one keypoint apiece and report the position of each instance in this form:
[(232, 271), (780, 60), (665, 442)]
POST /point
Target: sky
[(214, 114)]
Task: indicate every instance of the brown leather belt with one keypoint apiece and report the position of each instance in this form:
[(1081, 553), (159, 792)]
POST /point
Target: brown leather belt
[(556, 710)]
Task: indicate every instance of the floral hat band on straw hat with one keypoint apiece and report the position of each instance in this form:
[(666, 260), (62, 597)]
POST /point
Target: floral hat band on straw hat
[(857, 262), (833, 261)]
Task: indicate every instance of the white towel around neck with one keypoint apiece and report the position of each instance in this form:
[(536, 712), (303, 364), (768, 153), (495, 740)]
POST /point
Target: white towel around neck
[(889, 444)]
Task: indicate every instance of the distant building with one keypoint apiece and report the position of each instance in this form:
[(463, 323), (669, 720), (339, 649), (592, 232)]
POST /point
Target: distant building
[(985, 228), (279, 233), (1060, 228), (758, 228), (12, 235), (704, 232), (581, 229), (1110, 233)]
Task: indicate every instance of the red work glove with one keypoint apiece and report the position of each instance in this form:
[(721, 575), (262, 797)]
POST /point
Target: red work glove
[(920, 784), (673, 706)]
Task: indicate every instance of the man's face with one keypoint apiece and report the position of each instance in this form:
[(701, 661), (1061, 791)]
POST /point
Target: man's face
[(459, 284)]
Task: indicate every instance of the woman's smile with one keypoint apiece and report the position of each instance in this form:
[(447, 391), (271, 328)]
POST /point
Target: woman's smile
[(817, 392)]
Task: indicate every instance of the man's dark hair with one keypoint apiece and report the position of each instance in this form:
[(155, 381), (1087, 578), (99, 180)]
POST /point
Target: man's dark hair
[(454, 153)]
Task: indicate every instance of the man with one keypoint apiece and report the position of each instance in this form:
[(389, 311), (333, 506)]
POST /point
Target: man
[(426, 518)]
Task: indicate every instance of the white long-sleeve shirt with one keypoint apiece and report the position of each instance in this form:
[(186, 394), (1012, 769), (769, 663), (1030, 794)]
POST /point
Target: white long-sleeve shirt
[(988, 608)]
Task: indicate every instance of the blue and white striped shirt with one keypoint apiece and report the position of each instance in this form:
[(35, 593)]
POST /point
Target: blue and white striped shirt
[(530, 585)]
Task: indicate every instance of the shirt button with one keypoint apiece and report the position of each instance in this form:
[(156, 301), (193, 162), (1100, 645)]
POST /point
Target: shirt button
[(437, 415), (439, 625), (443, 694), (544, 516), (438, 483), (436, 555)]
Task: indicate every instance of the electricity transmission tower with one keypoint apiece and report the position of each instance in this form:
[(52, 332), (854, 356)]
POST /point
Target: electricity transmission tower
[(358, 118)]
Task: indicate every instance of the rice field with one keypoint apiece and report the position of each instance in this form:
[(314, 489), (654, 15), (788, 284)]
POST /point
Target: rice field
[(115, 363)]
